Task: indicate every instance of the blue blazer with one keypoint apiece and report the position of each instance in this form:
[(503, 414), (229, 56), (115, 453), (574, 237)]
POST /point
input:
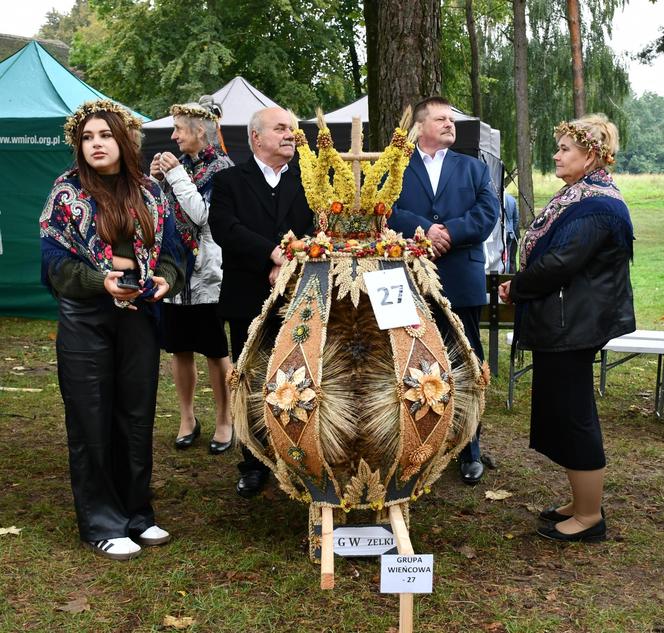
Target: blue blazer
[(467, 205)]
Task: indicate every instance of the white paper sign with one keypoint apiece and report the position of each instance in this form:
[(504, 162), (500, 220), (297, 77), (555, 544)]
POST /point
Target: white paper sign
[(369, 540), (391, 298), (406, 574)]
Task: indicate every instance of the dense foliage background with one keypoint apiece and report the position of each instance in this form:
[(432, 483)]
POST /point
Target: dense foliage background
[(309, 53)]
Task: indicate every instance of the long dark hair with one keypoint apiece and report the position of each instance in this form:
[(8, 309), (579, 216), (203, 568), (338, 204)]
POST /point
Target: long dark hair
[(116, 205)]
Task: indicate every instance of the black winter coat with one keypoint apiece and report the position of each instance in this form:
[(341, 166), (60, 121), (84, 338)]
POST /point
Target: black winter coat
[(577, 296), (247, 224)]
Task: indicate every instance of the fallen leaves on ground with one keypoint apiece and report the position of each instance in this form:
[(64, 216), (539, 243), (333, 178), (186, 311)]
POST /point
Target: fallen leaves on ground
[(10, 530), (494, 627), (77, 605), (467, 551), (178, 623), (497, 495)]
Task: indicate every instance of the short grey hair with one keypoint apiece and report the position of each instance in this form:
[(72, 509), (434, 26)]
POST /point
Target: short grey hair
[(255, 125)]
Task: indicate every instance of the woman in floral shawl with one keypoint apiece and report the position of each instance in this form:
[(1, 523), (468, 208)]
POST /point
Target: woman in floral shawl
[(190, 321), (573, 294), (109, 252)]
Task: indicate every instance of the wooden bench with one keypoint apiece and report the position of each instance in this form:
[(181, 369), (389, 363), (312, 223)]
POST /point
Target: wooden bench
[(495, 316), (633, 344)]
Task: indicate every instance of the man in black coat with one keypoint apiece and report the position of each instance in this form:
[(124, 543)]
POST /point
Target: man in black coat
[(253, 205)]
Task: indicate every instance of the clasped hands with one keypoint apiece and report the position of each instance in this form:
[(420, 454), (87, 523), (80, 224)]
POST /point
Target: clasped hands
[(162, 163), (504, 292), (441, 242)]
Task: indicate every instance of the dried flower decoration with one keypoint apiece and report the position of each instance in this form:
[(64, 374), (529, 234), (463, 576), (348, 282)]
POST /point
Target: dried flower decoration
[(193, 112), (291, 396), (428, 389), (585, 139), (91, 107)]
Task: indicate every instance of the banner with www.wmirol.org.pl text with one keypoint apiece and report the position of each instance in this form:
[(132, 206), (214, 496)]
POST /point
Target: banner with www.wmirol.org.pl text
[(32, 134)]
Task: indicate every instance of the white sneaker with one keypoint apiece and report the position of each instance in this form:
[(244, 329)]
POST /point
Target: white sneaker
[(116, 548), (154, 536)]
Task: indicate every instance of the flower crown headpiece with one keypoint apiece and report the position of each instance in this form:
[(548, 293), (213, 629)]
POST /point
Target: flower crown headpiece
[(100, 105), (586, 139), (334, 199), (194, 112)]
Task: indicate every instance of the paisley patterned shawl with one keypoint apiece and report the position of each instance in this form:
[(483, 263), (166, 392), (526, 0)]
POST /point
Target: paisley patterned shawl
[(594, 195), (208, 162), (68, 230)]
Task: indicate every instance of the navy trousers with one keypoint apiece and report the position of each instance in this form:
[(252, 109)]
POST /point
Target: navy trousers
[(470, 317)]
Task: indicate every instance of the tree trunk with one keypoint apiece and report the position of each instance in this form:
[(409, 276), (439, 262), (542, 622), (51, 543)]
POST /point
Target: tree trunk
[(474, 60), (524, 159), (355, 69), (574, 23), (348, 18), (371, 31), (403, 60)]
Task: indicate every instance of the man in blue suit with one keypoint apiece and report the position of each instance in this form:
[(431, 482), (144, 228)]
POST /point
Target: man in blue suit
[(451, 197)]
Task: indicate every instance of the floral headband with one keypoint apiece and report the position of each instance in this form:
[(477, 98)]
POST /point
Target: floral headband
[(194, 112), (101, 105), (585, 139)]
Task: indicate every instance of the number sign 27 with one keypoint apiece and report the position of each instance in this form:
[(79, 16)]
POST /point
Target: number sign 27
[(391, 298), (389, 294)]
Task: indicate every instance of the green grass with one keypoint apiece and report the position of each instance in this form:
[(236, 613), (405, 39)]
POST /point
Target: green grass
[(237, 566)]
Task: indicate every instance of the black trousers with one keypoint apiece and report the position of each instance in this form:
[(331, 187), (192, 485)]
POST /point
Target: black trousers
[(108, 368)]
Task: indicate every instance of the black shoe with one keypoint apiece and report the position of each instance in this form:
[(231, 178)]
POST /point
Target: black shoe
[(471, 472), (552, 515), (251, 483), (217, 448), (185, 441), (593, 534)]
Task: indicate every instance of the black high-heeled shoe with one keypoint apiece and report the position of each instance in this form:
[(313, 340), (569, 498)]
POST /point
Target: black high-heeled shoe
[(185, 441), (217, 448)]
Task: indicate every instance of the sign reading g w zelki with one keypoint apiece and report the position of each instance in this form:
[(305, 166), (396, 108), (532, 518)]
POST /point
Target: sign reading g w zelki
[(365, 540)]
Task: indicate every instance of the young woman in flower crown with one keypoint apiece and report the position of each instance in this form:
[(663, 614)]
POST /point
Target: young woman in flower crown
[(573, 294), (190, 322), (109, 253)]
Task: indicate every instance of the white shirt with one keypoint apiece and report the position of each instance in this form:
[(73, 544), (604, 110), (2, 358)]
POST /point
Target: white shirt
[(433, 166), (271, 178)]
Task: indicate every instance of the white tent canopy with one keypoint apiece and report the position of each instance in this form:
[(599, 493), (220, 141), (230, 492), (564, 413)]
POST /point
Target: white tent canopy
[(238, 100)]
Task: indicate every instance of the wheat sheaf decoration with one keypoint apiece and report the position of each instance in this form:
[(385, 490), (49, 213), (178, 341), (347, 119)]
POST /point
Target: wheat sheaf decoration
[(349, 416)]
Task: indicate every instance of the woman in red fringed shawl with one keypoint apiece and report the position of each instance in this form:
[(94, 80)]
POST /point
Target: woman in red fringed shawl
[(109, 254), (573, 294)]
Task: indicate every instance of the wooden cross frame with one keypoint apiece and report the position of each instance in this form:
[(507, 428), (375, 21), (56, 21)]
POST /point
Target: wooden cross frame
[(356, 155)]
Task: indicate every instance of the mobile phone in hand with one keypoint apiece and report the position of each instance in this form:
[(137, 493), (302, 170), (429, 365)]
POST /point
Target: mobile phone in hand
[(129, 280)]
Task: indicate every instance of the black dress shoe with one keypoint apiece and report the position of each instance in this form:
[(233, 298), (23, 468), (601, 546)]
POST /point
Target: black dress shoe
[(471, 472), (185, 441), (552, 514), (593, 534), (217, 448), (251, 483)]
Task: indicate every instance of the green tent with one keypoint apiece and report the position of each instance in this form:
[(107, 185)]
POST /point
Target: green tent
[(37, 94)]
